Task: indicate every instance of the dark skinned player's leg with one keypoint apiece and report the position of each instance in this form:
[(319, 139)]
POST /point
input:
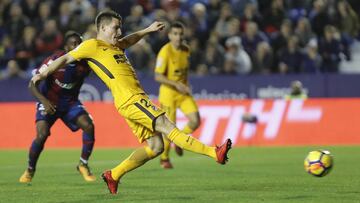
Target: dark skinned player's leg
[(88, 138), (42, 133), (85, 123)]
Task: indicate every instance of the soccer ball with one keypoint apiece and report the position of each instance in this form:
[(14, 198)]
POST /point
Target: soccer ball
[(318, 163)]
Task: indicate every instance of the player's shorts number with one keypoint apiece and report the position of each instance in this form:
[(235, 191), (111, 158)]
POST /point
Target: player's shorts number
[(146, 103)]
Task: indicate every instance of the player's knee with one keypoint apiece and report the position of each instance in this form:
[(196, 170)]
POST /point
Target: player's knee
[(156, 144), (194, 121), (158, 149), (194, 124), (159, 123), (88, 128), (163, 124)]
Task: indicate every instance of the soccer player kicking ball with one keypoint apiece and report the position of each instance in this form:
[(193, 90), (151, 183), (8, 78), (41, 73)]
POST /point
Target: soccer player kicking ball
[(171, 71), (58, 98), (107, 59)]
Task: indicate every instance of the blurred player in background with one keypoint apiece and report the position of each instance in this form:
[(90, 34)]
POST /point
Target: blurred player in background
[(106, 57), (171, 71), (58, 98)]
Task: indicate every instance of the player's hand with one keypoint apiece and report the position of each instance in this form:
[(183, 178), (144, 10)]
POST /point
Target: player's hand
[(49, 107), (155, 26), (183, 89)]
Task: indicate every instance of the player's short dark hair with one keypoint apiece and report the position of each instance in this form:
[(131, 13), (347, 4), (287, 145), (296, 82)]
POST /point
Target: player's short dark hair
[(105, 17), (70, 34), (177, 24)]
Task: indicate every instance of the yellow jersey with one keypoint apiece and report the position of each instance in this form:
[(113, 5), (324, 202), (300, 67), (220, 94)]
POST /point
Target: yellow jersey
[(173, 63), (111, 65)]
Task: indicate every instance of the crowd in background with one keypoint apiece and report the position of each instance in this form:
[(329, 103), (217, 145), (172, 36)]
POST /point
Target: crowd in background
[(225, 37)]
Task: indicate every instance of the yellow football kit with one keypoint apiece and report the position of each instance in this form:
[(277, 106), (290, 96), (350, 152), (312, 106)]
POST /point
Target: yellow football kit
[(113, 68), (174, 64), (111, 65)]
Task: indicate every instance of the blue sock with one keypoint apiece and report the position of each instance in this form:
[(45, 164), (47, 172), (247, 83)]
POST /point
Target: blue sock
[(88, 144), (34, 154)]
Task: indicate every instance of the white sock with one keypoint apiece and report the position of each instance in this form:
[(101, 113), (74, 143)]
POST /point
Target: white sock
[(83, 161)]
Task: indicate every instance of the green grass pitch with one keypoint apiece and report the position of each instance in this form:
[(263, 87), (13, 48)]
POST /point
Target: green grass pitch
[(253, 174)]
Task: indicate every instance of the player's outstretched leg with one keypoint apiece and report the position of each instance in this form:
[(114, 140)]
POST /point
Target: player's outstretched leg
[(190, 143), (88, 138), (164, 157), (138, 158), (42, 128)]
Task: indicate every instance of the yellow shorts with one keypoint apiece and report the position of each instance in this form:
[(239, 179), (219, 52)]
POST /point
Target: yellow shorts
[(140, 114), (170, 101)]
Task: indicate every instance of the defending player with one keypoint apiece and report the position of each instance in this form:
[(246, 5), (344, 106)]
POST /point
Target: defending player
[(107, 59), (58, 98), (171, 71)]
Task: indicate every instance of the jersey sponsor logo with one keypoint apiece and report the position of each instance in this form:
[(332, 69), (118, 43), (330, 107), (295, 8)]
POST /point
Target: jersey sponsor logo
[(65, 85), (121, 58), (104, 49)]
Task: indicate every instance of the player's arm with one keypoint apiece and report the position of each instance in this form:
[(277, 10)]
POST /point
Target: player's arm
[(131, 39), (182, 88), (58, 63), (34, 89)]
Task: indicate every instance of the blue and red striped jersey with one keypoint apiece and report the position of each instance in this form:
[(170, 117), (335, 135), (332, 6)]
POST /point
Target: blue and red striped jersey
[(62, 87)]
